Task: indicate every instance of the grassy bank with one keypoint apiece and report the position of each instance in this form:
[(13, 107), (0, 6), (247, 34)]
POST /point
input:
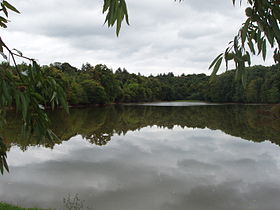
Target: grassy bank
[(4, 206)]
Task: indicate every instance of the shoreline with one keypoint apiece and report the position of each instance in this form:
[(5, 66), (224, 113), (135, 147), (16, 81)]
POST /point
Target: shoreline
[(149, 102)]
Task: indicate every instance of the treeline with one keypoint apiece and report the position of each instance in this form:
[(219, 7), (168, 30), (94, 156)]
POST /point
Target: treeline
[(101, 85)]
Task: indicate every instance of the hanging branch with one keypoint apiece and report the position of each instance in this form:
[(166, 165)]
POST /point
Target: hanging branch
[(12, 54)]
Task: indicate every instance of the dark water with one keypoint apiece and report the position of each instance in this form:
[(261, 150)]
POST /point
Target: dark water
[(163, 157)]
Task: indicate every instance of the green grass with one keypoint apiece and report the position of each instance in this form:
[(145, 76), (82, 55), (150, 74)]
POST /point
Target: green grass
[(4, 206)]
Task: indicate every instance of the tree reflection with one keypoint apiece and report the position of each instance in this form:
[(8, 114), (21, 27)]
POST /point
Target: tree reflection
[(99, 124)]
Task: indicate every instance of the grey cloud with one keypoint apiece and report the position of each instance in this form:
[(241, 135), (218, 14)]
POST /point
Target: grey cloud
[(210, 6), (163, 36)]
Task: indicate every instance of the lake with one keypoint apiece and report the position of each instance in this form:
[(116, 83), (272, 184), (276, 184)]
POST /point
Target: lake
[(156, 156)]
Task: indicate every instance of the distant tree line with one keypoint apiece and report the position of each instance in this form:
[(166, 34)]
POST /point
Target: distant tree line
[(101, 85)]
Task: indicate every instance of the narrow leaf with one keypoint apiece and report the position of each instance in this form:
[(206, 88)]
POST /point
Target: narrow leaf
[(264, 49), (11, 7), (217, 66), (215, 60)]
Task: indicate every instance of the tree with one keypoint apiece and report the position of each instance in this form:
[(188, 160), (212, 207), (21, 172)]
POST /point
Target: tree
[(259, 30), (30, 90), (27, 88), (95, 92)]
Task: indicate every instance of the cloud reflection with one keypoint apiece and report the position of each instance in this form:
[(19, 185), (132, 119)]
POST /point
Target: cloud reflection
[(152, 168)]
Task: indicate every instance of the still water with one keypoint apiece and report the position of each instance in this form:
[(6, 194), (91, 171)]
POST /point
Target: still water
[(149, 157)]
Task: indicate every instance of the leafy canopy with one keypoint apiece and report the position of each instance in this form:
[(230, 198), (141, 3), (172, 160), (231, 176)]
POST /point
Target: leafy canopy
[(260, 30)]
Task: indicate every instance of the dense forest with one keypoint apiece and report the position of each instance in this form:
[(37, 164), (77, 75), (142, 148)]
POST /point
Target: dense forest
[(101, 85)]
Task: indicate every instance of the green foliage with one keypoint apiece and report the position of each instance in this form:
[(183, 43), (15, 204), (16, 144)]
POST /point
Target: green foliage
[(5, 206), (276, 111), (254, 90), (100, 85), (116, 13), (262, 86), (28, 90), (259, 30), (95, 92), (4, 8)]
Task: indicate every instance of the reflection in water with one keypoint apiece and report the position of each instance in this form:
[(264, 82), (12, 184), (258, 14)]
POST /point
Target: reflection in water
[(155, 160), (99, 124)]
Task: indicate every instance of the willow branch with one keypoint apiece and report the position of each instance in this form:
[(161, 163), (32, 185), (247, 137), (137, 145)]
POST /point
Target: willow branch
[(12, 55)]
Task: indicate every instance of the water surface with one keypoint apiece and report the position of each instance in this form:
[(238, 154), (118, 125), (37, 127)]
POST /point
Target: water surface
[(149, 157)]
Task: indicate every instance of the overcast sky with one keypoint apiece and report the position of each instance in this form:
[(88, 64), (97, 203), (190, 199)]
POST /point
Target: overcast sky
[(164, 36)]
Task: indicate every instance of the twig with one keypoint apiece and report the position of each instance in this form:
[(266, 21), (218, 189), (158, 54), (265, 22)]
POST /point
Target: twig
[(12, 55), (21, 56)]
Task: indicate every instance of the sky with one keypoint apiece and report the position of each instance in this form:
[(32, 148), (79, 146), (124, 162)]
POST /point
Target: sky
[(163, 36)]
